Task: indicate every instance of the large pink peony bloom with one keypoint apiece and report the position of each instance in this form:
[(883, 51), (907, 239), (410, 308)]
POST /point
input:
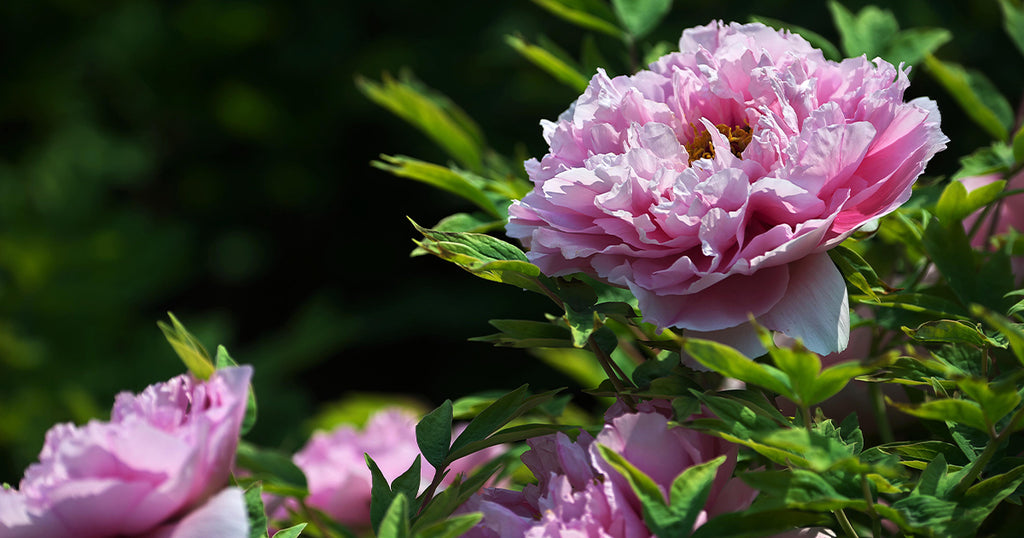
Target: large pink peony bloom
[(712, 184), (338, 477), (579, 494), (159, 467)]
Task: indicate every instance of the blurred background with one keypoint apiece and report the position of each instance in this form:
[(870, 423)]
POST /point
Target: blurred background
[(211, 158)]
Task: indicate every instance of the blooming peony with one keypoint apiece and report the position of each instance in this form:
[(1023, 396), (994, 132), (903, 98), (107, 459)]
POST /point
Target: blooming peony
[(712, 184), (579, 494), (159, 467), (339, 479)]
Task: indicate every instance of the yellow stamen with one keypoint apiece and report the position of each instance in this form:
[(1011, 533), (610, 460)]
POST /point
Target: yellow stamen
[(702, 148)]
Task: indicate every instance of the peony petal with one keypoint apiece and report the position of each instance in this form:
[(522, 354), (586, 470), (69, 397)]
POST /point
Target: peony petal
[(815, 307), (223, 515)]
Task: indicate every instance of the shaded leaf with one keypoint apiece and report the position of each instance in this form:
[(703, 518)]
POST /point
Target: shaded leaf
[(434, 434), (441, 177), (589, 14), (641, 16), (976, 95), (564, 72), (277, 471)]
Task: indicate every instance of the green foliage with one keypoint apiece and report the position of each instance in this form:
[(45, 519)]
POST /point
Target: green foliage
[(255, 511), (978, 97), (875, 32), (189, 349), (590, 14), (552, 61), (641, 16)]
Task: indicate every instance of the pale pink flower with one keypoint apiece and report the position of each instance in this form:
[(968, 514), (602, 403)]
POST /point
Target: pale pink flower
[(712, 184), (158, 468), (579, 494), (339, 479)]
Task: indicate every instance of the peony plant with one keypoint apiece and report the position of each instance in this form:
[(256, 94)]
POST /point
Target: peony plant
[(710, 229)]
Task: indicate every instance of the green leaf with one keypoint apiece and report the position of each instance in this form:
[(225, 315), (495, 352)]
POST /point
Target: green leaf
[(949, 248), (816, 40), (754, 524), (832, 380), (454, 181), (857, 271), (255, 511), (952, 331), (527, 334), (452, 527), (797, 488), (512, 435), (434, 434), (291, 532), (433, 114), (956, 203), (484, 256), (963, 412), (690, 491), (912, 45), (994, 159), (996, 399), (497, 415), (381, 496), (396, 520), (1013, 22), (801, 366), (564, 72), (660, 517), (641, 16), (1013, 332), (225, 361), (277, 471), (731, 363), (868, 33), (976, 95), (408, 483), (188, 348), (589, 14)]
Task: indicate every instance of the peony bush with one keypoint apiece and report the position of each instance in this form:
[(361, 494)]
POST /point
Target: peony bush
[(780, 315)]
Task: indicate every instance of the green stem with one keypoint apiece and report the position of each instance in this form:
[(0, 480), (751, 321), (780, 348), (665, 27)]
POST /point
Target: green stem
[(876, 522), (606, 364), (881, 417), (845, 523), (805, 412)]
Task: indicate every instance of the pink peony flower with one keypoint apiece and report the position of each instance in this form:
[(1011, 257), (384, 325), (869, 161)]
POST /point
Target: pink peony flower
[(158, 468), (712, 184), (579, 494), (1007, 215), (339, 479)]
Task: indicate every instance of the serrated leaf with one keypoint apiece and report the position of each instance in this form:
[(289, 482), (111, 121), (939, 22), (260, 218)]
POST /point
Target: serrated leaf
[(731, 363), (441, 177), (434, 434), (976, 95), (590, 14), (549, 62), (255, 510), (433, 114), (641, 16), (188, 348)]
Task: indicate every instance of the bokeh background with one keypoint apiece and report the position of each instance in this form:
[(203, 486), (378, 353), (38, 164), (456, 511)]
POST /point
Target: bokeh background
[(211, 158)]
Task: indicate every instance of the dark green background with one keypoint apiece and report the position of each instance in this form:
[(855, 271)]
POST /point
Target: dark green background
[(211, 158)]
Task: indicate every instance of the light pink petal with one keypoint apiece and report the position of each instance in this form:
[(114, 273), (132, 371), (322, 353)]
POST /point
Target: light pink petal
[(815, 307), (223, 515)]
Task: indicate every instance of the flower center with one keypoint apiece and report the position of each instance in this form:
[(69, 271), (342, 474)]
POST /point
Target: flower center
[(702, 148)]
